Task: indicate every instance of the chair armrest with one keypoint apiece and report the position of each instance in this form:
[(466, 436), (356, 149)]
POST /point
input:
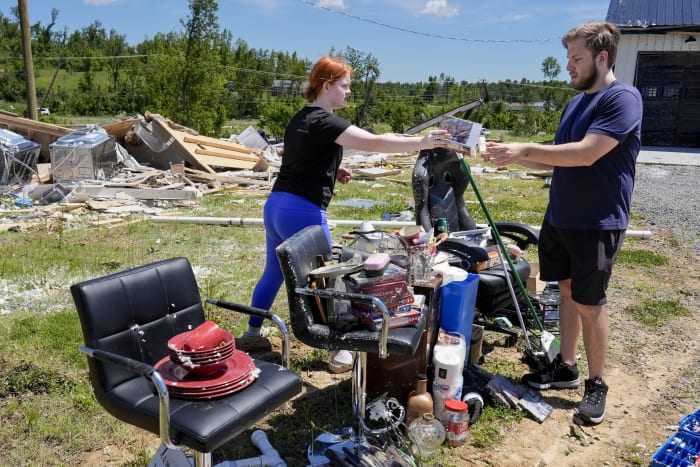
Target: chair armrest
[(152, 375), (523, 235), (249, 310), (466, 251), (368, 299)]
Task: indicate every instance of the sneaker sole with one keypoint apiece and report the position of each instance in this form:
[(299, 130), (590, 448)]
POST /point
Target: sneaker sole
[(585, 419), (555, 385), (337, 368)]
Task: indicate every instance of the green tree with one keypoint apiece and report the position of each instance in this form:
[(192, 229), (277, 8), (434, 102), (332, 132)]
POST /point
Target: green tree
[(200, 81), (550, 68), (276, 116), (366, 72), (12, 73), (115, 46)]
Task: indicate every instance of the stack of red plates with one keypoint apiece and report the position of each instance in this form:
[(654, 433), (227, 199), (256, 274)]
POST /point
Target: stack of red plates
[(206, 367)]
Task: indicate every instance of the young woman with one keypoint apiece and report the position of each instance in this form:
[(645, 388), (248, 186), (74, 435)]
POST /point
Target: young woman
[(311, 165)]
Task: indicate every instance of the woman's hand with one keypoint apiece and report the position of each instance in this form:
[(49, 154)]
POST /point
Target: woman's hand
[(434, 139), (343, 175)]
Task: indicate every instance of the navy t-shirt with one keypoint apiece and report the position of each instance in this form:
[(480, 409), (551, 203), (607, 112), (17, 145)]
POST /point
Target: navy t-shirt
[(311, 155), (598, 197)]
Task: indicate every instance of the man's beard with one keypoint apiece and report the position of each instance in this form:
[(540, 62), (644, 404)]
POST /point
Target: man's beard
[(586, 82)]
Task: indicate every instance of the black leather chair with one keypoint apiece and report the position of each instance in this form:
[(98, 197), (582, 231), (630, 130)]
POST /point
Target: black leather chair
[(439, 184), (298, 257), (127, 319)]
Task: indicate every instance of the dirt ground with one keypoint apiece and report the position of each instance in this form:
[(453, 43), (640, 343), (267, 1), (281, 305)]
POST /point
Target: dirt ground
[(653, 374)]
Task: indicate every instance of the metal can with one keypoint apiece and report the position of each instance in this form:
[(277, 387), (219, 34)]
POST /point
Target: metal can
[(441, 226), (457, 422)]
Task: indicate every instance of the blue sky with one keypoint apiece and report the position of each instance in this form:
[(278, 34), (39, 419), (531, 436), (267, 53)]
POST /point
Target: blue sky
[(412, 39)]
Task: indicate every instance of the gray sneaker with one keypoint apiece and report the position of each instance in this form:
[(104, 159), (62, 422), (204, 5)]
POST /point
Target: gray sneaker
[(591, 410), (557, 375)]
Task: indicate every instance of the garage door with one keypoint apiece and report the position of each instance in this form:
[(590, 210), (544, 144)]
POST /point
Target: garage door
[(670, 87)]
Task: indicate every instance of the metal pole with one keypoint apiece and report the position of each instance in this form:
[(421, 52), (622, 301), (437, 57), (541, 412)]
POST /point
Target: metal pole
[(641, 234)]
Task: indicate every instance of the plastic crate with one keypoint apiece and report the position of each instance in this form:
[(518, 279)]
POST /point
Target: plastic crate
[(691, 423), (680, 450)]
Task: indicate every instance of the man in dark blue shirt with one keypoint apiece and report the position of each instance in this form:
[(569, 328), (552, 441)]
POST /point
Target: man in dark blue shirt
[(593, 161)]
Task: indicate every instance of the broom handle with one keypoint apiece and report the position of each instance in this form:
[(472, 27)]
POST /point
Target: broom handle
[(502, 247)]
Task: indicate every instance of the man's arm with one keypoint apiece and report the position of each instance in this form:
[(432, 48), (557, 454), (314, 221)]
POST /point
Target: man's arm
[(545, 156)]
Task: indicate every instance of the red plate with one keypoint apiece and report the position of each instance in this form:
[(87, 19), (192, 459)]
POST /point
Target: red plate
[(178, 340), (236, 368), (201, 354), (185, 359), (212, 394)]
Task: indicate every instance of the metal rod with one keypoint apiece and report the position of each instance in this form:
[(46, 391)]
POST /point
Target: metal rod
[(641, 234)]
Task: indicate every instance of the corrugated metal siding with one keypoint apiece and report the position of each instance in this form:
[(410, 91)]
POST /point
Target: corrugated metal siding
[(650, 13)]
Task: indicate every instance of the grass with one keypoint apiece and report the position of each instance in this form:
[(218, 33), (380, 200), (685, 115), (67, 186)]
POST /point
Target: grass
[(634, 257), (49, 413), (653, 312)]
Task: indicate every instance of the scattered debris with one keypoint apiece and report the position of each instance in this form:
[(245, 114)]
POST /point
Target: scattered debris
[(134, 164), (138, 160)]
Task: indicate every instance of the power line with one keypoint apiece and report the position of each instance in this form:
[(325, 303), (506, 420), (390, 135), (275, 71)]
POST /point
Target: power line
[(101, 57), (426, 34)]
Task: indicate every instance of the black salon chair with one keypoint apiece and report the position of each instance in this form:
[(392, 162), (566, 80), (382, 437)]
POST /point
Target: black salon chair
[(127, 319), (439, 184), (298, 257)]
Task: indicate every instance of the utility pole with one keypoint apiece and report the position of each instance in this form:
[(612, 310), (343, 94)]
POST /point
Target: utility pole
[(23, 8)]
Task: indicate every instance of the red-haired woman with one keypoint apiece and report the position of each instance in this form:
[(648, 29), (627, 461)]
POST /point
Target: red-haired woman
[(313, 151)]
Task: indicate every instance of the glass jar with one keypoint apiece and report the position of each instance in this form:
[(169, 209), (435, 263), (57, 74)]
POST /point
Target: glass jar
[(457, 422), (427, 433)]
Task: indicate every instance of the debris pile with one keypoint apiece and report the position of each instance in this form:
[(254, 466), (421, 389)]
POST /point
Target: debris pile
[(138, 162)]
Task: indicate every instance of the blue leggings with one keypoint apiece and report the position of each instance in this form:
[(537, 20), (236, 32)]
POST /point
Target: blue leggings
[(285, 214)]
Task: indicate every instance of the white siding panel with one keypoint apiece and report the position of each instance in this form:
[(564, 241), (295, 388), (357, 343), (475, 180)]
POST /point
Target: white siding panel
[(632, 44)]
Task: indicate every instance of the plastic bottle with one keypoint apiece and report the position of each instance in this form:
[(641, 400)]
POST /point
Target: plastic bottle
[(457, 422), (482, 144), (419, 401), (427, 433)]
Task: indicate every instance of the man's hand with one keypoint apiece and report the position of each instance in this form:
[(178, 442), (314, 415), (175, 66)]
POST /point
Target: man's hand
[(502, 154)]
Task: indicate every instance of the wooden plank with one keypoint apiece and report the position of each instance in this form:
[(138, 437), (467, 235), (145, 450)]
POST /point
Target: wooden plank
[(185, 151), (136, 193), (374, 172), (39, 132), (217, 143), (227, 155), (224, 162)]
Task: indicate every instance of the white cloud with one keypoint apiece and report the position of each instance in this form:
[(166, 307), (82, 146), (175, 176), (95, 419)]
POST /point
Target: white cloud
[(439, 8), (100, 2), (332, 4)]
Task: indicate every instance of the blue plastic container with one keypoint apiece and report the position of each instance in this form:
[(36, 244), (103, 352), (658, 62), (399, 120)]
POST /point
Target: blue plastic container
[(457, 306), (680, 450)]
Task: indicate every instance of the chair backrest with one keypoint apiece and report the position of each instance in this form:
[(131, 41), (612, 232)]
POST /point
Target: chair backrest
[(298, 256), (134, 312), (439, 183)]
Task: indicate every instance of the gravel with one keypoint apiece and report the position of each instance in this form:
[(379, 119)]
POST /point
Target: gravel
[(667, 196)]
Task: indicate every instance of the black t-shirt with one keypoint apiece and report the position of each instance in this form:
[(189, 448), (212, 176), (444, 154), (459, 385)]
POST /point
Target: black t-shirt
[(311, 156)]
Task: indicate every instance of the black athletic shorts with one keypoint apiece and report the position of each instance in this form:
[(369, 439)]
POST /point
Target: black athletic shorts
[(584, 256)]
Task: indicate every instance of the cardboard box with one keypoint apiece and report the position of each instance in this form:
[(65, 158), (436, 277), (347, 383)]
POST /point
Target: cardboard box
[(534, 283)]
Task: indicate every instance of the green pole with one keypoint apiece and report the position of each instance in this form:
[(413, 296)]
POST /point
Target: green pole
[(491, 223)]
